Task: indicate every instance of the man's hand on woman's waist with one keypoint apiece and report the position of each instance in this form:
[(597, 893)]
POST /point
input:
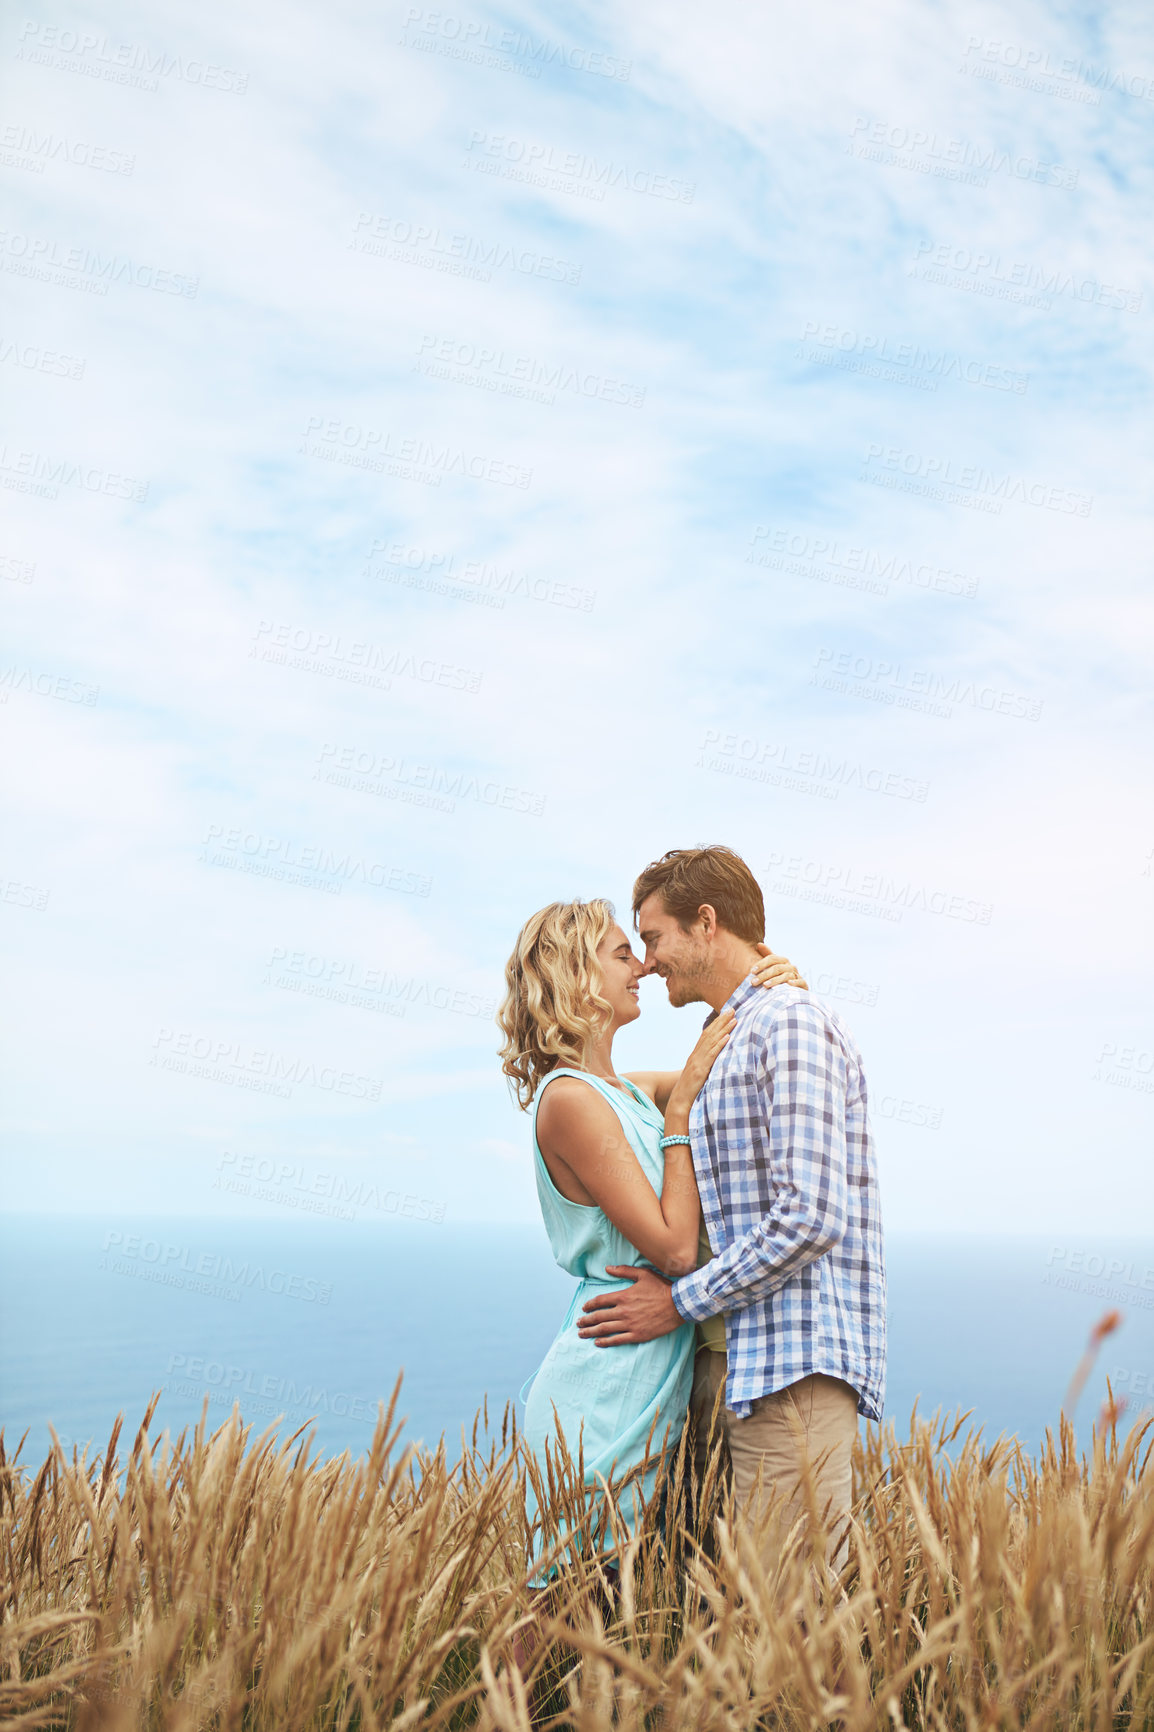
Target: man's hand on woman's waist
[(640, 1312)]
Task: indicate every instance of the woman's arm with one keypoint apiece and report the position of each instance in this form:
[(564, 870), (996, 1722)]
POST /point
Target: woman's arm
[(581, 1139), (657, 1084), (586, 1151)]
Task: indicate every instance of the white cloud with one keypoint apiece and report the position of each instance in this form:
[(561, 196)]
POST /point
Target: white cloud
[(747, 423)]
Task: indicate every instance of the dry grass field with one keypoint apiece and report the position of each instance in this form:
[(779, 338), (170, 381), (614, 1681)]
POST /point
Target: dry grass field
[(225, 1581)]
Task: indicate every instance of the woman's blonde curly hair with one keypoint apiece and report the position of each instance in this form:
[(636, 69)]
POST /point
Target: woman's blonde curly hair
[(553, 1007)]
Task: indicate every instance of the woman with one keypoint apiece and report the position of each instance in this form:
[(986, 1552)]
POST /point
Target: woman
[(615, 1181)]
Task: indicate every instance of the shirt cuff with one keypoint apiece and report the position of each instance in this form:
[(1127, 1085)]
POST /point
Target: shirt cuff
[(692, 1298)]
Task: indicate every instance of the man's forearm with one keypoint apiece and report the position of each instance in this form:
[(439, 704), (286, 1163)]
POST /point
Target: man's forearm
[(755, 1265)]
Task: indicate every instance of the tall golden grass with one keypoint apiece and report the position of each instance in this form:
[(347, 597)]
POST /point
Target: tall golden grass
[(228, 1582)]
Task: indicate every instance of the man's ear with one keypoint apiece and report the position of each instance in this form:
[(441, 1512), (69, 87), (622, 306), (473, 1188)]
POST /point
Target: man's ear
[(708, 918)]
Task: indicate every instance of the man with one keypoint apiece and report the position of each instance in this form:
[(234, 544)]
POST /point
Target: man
[(785, 1166)]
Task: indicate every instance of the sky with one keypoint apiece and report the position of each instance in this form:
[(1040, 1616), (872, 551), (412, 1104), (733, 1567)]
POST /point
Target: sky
[(452, 458)]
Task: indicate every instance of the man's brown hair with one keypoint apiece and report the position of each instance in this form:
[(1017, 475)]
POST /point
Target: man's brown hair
[(685, 878)]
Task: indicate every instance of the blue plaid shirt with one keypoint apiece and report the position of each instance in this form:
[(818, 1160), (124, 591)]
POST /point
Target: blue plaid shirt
[(789, 1193)]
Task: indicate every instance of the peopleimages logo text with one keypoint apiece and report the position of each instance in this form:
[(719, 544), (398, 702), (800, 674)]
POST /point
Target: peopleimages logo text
[(183, 1265), (35, 471), (322, 651), (497, 369), (972, 478), (952, 157), (938, 363), (375, 233), (890, 682), (37, 148), (233, 1381), (837, 881), (763, 760), (824, 555), (34, 359), (435, 568), (574, 164), (1035, 63), (229, 1055), (274, 856), (374, 447), (991, 271), (453, 784), (37, 254), (122, 62), (475, 37), (346, 976)]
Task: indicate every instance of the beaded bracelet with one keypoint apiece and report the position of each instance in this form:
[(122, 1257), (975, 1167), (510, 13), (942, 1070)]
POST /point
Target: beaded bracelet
[(666, 1142)]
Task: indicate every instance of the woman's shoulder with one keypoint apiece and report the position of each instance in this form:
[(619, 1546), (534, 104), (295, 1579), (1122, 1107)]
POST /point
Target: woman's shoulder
[(579, 1103), (569, 1094)]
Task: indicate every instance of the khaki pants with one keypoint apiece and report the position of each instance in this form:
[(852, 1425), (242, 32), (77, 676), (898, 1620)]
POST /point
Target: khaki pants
[(811, 1424)]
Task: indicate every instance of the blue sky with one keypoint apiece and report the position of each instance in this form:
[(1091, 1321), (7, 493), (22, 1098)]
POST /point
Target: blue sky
[(454, 457)]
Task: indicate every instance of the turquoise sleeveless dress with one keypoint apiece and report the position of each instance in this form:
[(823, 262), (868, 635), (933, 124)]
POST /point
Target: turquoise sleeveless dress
[(606, 1397)]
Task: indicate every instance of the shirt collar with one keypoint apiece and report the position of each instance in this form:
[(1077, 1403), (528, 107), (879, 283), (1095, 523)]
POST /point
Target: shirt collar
[(742, 992)]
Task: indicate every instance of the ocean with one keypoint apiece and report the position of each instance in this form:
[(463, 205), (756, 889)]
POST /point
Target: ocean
[(310, 1323)]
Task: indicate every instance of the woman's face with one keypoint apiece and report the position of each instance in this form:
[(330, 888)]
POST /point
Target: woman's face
[(621, 972)]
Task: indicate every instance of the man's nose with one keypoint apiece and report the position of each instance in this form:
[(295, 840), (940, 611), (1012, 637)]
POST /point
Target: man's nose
[(648, 967)]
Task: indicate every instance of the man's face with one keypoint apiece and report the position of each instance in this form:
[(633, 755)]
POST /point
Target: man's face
[(682, 959)]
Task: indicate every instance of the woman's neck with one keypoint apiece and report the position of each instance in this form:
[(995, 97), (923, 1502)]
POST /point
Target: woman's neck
[(598, 1059)]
